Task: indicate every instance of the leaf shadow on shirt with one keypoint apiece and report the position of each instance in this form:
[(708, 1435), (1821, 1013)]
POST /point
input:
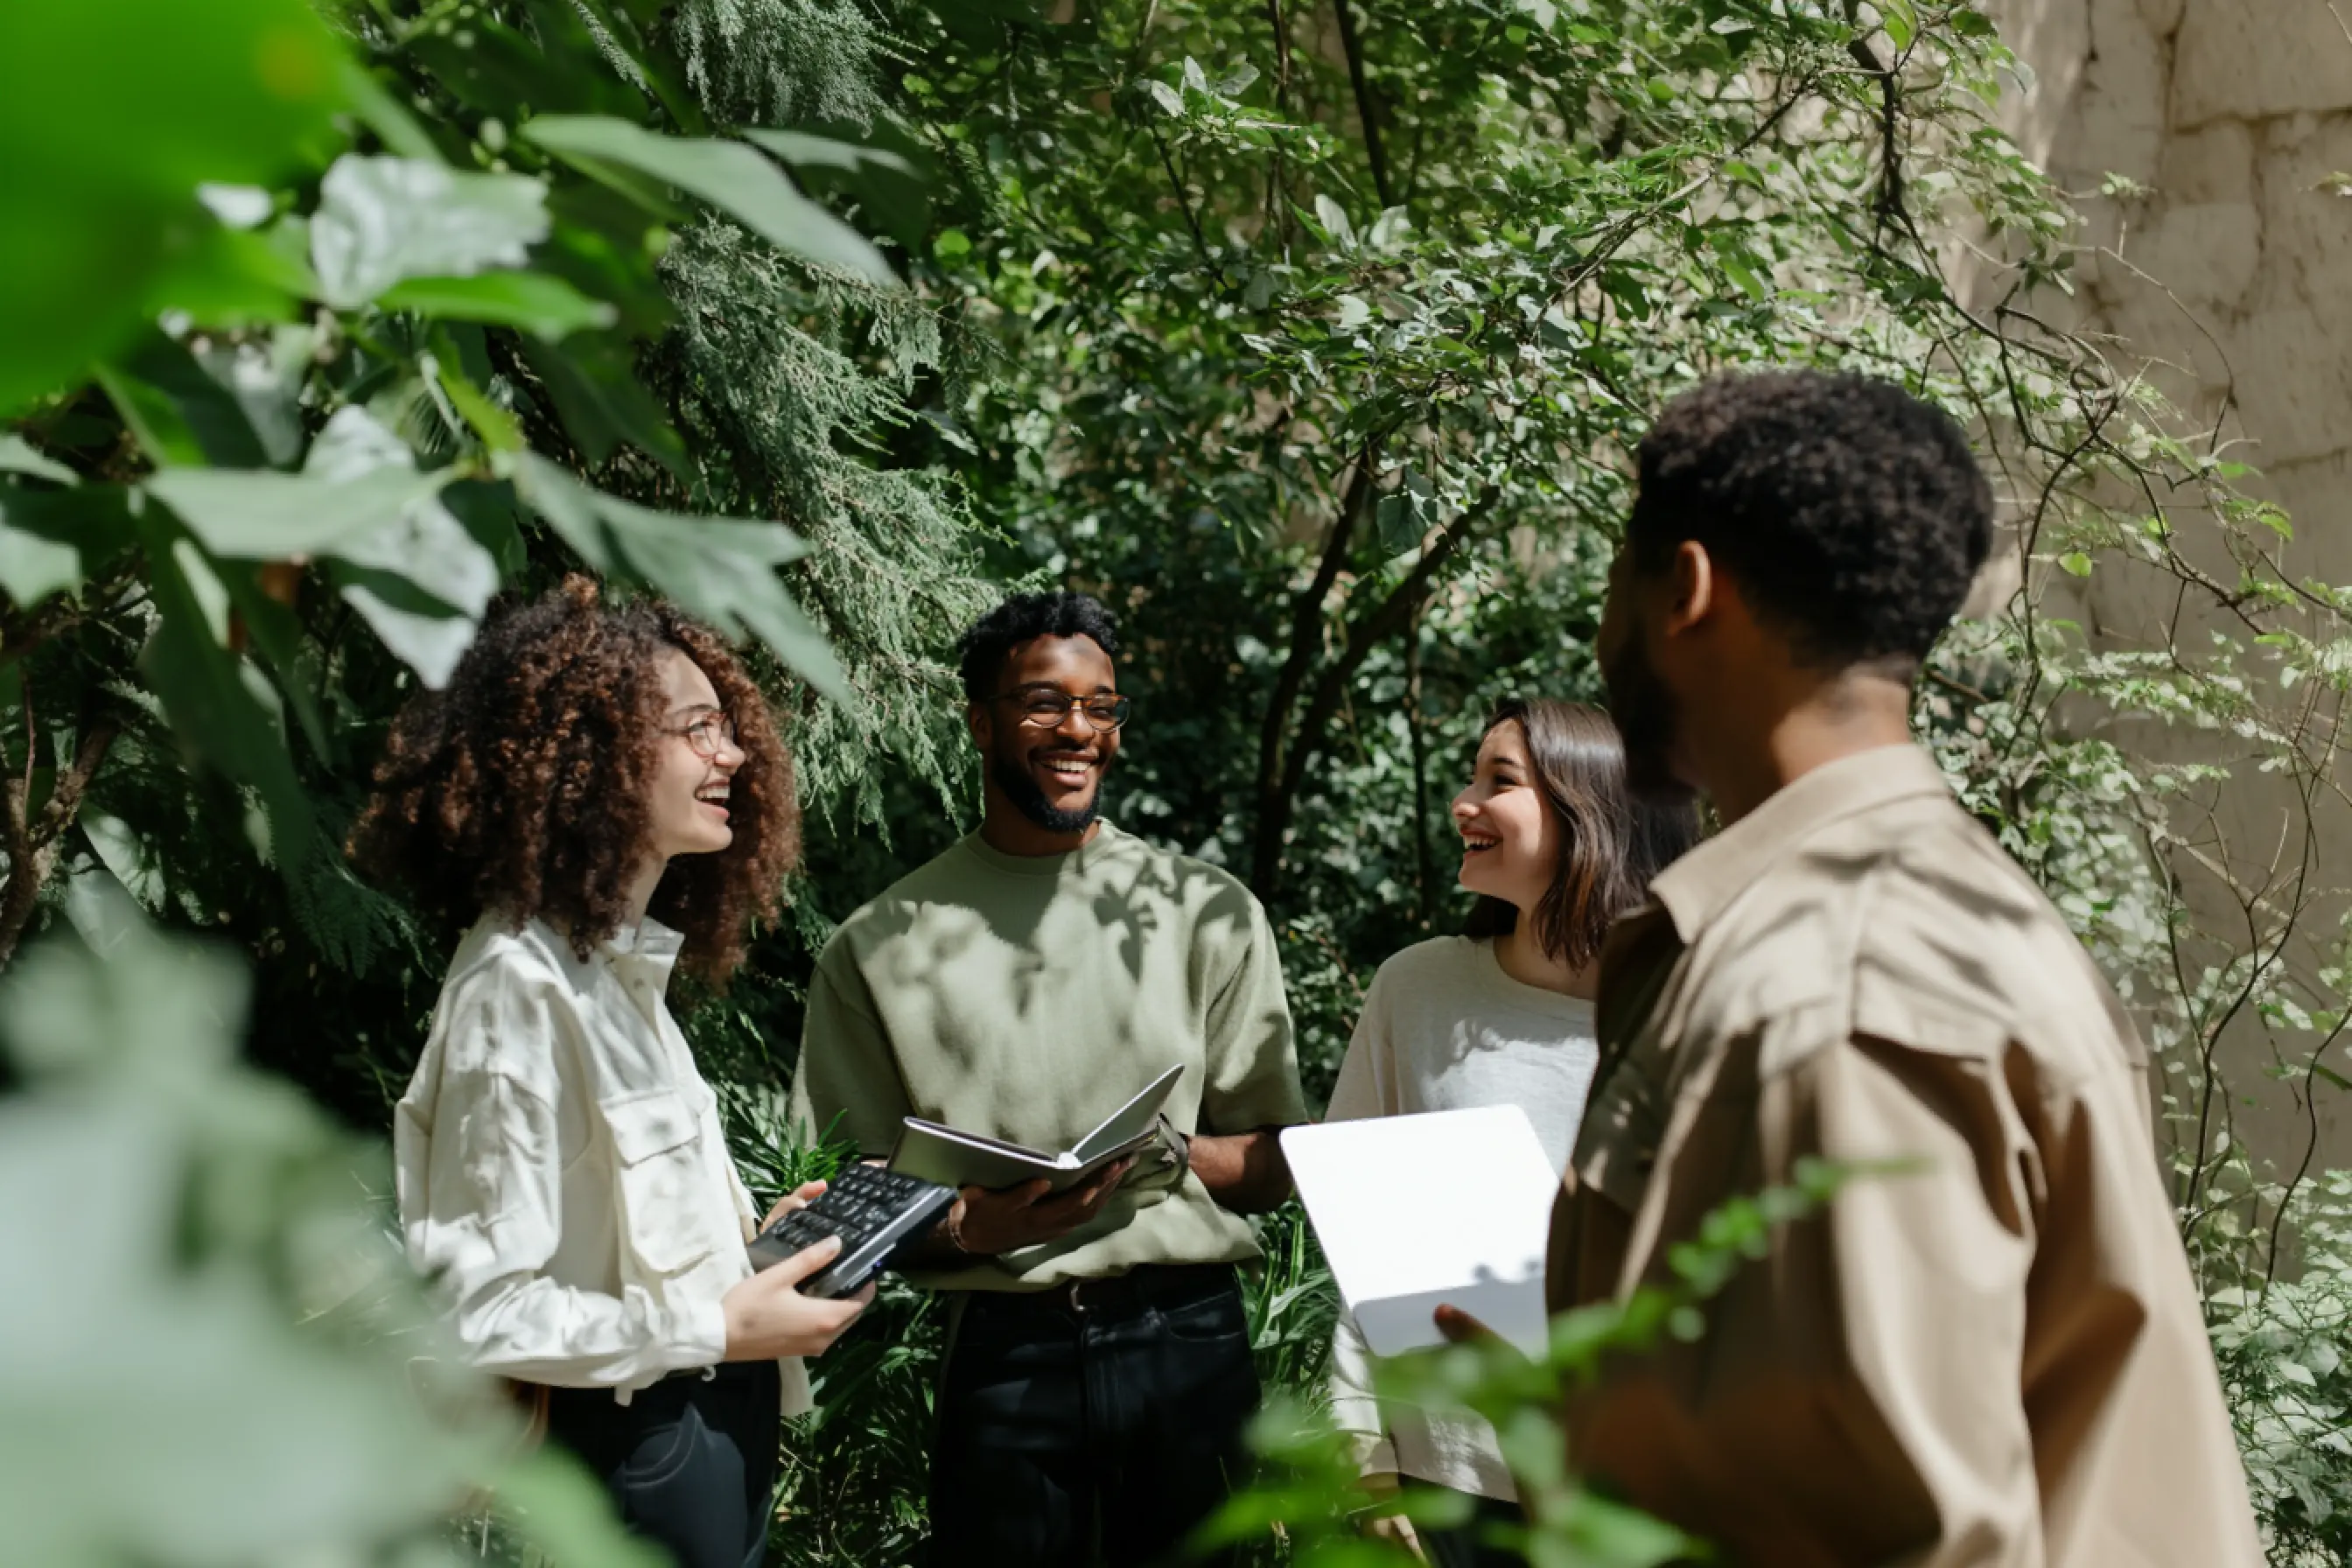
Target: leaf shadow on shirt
[(1112, 965)]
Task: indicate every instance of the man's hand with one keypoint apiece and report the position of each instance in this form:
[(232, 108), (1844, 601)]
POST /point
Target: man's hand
[(1384, 1487), (1242, 1172), (985, 1222)]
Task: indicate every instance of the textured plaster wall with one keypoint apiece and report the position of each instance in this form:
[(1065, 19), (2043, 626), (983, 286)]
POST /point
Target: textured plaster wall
[(2233, 275)]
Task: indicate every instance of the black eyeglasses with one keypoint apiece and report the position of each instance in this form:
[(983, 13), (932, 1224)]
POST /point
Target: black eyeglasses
[(1046, 708), (708, 732)]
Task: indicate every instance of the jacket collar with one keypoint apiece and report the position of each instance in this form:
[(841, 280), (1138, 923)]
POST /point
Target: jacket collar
[(1700, 886)]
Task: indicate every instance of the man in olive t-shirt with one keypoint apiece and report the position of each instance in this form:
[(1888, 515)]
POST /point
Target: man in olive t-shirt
[(1024, 985)]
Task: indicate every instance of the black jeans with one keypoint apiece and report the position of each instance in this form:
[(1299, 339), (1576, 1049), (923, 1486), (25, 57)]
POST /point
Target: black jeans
[(1461, 1546), (1095, 1431), (690, 1461)]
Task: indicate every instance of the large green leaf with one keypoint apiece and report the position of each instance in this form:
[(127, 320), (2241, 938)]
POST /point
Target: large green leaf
[(114, 112), (381, 221), (722, 569), (887, 181), (728, 174), (218, 704)]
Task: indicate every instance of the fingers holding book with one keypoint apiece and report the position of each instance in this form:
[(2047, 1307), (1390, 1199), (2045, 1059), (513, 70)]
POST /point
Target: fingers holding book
[(985, 1221)]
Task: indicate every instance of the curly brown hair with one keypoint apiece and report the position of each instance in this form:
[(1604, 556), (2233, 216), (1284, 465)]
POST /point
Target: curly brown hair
[(524, 787)]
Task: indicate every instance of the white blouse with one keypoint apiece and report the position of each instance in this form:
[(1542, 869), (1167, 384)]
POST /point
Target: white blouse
[(561, 1171), (1445, 1029)]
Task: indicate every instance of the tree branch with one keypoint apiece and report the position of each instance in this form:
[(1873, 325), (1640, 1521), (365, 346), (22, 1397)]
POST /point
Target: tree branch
[(1367, 108), (1306, 620), (1393, 614), (33, 838)]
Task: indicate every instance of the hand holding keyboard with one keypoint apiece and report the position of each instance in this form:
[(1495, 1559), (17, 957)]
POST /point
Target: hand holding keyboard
[(872, 1210)]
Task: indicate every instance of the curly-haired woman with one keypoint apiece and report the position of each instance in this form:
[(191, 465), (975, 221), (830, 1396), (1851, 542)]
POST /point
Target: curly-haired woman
[(1555, 846), (602, 796)]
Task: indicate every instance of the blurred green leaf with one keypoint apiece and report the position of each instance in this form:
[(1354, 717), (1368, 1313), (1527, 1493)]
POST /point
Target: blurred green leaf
[(50, 540), (728, 174), (264, 516), (533, 302), (887, 181), (722, 569), (181, 412), (113, 113)]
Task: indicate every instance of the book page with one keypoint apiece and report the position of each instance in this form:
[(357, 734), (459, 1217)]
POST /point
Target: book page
[(1451, 1206)]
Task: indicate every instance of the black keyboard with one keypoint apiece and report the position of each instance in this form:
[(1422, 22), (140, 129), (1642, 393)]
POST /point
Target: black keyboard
[(872, 1210)]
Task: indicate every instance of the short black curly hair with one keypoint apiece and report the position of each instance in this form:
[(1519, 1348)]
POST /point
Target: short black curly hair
[(1851, 515), (981, 651)]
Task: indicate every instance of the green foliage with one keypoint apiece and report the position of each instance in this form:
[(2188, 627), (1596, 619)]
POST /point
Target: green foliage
[(224, 1360), (1317, 350), (1311, 1489)]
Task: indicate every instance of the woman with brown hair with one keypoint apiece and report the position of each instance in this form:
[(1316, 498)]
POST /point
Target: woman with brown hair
[(602, 796), (1556, 848)]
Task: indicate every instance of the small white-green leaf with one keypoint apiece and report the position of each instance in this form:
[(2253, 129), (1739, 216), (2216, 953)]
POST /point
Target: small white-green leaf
[(1353, 312), (1334, 219), (1170, 100), (730, 176), (32, 567), (1389, 228), (422, 581), (17, 456), (1195, 78), (381, 221)]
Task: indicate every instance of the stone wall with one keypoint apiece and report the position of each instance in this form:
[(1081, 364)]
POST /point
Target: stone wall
[(2227, 264)]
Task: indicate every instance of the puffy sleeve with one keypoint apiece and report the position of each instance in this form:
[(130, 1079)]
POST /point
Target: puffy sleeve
[(481, 1211)]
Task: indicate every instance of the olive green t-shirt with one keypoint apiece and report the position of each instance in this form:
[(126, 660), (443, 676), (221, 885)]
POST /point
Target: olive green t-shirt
[(1028, 997)]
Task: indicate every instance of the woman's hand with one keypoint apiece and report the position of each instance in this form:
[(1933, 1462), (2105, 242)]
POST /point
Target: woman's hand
[(798, 1198), (767, 1317)]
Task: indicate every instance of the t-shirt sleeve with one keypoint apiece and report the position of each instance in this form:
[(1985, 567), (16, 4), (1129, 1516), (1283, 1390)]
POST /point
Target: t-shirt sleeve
[(1366, 1086), (1251, 1060), (847, 1086)]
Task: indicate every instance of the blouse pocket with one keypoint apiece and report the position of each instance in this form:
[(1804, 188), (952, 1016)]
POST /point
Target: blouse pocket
[(664, 1188)]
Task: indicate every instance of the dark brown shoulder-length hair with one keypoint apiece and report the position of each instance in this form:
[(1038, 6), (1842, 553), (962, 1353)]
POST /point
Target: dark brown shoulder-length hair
[(1612, 842), (524, 787)]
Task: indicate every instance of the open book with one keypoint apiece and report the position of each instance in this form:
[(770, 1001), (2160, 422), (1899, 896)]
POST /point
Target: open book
[(940, 1153)]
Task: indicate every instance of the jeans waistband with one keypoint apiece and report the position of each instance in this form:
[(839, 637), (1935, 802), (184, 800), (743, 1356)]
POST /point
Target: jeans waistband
[(1130, 1294)]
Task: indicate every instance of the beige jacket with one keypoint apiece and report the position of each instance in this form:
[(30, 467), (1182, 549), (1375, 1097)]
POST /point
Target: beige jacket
[(562, 1173), (1996, 1360)]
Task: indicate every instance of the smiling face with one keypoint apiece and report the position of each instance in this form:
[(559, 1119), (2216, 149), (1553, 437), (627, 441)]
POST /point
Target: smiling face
[(1510, 837), (1049, 768), (690, 790)]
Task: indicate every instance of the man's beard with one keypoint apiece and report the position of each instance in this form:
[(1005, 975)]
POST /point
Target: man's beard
[(1022, 790), (1645, 717)]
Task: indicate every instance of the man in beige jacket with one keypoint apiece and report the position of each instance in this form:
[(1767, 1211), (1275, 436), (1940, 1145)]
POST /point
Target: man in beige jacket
[(1997, 1358)]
